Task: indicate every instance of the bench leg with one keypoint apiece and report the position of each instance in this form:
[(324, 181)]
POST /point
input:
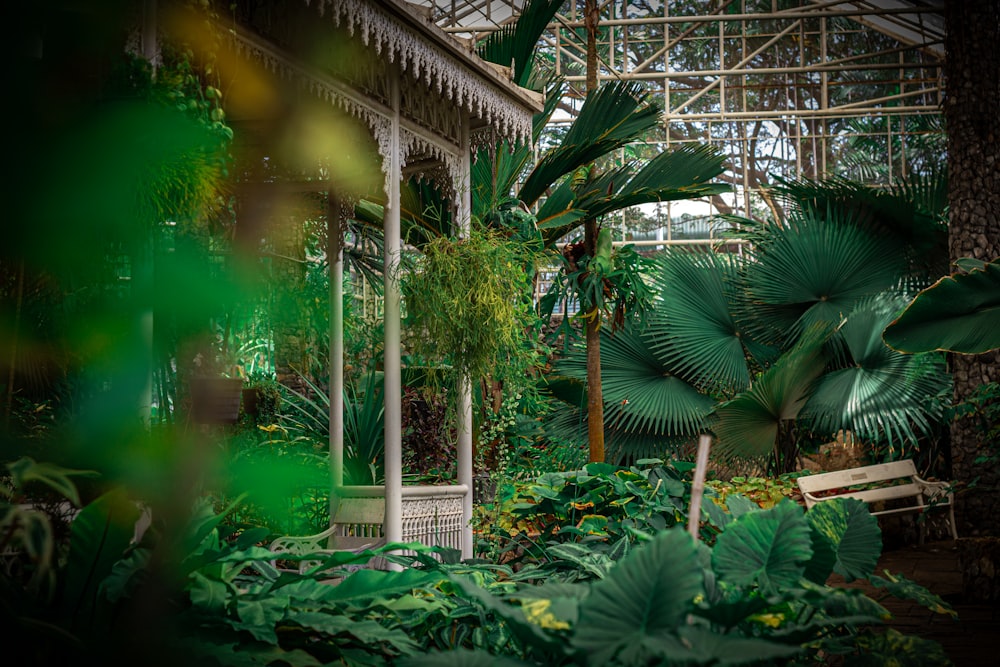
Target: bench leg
[(951, 521)]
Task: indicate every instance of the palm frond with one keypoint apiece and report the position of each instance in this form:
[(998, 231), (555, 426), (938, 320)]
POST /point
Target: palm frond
[(814, 270), (641, 393), (514, 45), (912, 212), (879, 394), (613, 115), (693, 327), (747, 426)]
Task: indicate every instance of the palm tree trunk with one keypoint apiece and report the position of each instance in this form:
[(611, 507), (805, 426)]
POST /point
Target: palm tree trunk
[(972, 110), (595, 396)]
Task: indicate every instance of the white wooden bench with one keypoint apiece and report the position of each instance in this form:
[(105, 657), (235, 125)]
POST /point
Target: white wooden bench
[(895, 481), (357, 526)]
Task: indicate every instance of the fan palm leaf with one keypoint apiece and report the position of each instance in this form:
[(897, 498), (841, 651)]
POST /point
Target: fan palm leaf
[(880, 394), (694, 327), (815, 270), (912, 211), (747, 426), (641, 393)]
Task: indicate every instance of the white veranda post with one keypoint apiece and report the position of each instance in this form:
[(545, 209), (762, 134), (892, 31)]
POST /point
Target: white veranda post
[(464, 216), (392, 383)]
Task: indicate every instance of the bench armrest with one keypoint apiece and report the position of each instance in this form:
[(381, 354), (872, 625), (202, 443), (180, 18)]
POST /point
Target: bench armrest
[(936, 490)]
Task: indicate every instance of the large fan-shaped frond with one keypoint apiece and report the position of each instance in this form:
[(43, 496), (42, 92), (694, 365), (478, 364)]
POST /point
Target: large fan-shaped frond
[(747, 425), (879, 394), (640, 392), (815, 270), (693, 327)]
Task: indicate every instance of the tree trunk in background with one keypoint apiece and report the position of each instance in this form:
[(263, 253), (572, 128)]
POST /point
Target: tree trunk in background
[(972, 118), (595, 395)]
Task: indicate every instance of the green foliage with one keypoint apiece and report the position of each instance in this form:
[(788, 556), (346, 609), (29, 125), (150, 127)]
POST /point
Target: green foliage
[(468, 301), (746, 600), (957, 314), (604, 507), (786, 348)]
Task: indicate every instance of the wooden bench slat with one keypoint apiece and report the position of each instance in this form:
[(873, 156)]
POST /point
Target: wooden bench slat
[(880, 479), (864, 475)]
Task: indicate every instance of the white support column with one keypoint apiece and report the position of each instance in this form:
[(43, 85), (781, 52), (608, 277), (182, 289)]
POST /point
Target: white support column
[(464, 218), (335, 258), (393, 383)]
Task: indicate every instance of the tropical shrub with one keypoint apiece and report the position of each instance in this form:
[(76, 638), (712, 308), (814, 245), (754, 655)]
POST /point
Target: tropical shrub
[(781, 347)]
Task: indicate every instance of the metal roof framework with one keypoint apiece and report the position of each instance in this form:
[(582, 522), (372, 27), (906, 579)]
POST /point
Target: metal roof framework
[(785, 88)]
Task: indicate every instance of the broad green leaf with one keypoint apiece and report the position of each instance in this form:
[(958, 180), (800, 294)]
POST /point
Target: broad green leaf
[(959, 313), (461, 657), (647, 595), (853, 533), (894, 648), (730, 613), (259, 617), (768, 548), (365, 584), (703, 647), (907, 589), (98, 539), (364, 630)]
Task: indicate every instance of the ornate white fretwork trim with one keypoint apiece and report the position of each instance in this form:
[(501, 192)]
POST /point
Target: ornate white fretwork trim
[(378, 123), (437, 69)]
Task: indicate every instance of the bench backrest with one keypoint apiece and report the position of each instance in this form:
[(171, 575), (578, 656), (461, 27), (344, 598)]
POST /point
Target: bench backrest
[(360, 516), (881, 472)]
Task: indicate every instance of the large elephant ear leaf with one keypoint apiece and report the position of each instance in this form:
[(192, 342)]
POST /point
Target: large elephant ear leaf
[(647, 595), (852, 531), (907, 589), (959, 313), (98, 538), (768, 548), (461, 657)]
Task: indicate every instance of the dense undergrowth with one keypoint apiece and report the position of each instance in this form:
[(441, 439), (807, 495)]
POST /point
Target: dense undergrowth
[(591, 567)]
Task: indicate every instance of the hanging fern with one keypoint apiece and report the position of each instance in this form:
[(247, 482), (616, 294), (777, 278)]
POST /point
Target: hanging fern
[(468, 306)]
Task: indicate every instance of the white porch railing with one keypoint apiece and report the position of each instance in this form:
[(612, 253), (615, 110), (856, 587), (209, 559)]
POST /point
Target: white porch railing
[(432, 515)]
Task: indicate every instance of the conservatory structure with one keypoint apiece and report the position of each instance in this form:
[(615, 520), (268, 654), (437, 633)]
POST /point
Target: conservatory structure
[(422, 99)]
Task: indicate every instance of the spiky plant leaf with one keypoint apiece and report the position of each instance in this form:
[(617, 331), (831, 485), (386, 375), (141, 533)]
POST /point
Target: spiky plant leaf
[(769, 549), (959, 313), (853, 532), (647, 595)]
